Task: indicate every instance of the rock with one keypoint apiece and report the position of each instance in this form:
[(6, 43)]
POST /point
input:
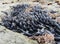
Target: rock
[(53, 9), (14, 1), (9, 37), (57, 0), (46, 1), (58, 19), (54, 16)]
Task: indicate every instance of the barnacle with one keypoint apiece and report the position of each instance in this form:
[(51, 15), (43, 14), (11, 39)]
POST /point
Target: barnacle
[(30, 22), (44, 39)]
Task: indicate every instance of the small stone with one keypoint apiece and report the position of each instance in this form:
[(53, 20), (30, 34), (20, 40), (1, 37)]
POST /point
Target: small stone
[(58, 19), (54, 16)]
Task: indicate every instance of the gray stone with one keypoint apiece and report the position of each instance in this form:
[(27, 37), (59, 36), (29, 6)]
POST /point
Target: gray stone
[(9, 37)]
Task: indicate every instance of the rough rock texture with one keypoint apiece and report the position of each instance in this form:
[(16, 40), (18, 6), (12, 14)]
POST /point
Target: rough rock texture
[(14, 1), (9, 37), (40, 1)]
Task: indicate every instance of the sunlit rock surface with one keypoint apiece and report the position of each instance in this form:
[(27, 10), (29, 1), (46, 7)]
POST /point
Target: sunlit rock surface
[(9, 37)]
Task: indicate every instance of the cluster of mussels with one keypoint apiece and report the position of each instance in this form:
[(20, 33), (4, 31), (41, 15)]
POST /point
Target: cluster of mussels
[(31, 21)]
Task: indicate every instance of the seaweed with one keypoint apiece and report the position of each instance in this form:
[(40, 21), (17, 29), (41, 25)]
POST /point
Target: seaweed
[(33, 22)]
